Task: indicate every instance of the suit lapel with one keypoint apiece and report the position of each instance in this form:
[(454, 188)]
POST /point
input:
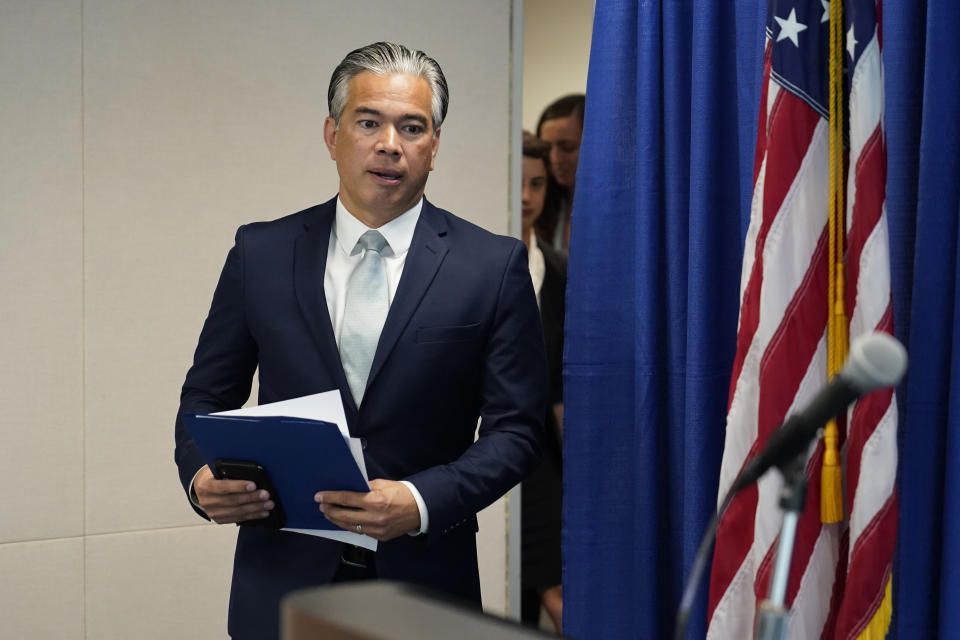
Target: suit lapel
[(310, 260), (427, 250)]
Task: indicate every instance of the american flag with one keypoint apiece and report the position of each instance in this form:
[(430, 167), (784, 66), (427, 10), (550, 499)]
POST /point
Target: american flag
[(840, 576)]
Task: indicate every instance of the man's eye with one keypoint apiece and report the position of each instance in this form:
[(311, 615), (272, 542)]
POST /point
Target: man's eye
[(366, 124), (413, 129)]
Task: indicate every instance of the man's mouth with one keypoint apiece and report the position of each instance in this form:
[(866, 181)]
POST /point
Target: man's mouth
[(386, 176)]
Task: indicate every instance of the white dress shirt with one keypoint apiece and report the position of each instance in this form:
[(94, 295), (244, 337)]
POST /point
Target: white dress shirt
[(537, 265), (344, 234), (340, 264)]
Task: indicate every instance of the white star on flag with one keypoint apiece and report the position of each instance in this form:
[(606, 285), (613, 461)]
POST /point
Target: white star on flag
[(826, 11), (851, 42), (789, 28)]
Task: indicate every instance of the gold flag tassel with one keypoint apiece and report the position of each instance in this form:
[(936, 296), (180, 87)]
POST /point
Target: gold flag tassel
[(879, 624), (831, 477)]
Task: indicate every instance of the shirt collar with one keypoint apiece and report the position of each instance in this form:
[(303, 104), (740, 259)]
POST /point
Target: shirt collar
[(398, 232)]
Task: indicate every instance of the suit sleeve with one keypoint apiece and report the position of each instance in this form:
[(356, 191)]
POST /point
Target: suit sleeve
[(512, 409), (223, 363)]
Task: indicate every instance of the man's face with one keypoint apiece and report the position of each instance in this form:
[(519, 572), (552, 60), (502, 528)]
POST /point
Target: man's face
[(563, 134), (384, 146)]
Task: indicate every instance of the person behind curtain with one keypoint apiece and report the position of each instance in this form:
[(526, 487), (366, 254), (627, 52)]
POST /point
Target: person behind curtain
[(561, 125), (542, 491)]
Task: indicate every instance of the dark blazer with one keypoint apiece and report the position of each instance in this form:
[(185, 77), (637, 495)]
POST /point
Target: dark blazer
[(553, 310), (462, 339)]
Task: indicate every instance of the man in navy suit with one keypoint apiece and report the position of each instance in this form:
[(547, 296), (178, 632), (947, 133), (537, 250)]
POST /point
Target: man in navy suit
[(457, 338)]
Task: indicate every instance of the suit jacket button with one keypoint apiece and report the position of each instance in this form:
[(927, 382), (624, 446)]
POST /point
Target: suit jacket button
[(363, 444)]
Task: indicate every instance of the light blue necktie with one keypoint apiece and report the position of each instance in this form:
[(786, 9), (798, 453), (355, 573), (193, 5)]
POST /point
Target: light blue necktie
[(365, 311)]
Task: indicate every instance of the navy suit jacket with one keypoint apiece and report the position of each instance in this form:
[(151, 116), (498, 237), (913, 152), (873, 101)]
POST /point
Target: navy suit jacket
[(462, 340)]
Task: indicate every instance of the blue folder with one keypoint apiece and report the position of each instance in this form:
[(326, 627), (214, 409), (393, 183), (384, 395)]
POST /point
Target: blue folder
[(302, 457)]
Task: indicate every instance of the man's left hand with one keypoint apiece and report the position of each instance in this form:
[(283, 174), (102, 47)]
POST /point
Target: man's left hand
[(387, 511)]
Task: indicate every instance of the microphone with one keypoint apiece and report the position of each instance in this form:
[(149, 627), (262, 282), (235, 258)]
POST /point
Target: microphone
[(877, 360)]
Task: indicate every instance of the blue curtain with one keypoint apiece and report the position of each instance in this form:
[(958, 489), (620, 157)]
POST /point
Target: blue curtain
[(660, 213), (923, 203), (660, 210)]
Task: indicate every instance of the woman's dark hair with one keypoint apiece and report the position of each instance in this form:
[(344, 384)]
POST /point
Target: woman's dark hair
[(546, 225), (534, 147), (571, 105)]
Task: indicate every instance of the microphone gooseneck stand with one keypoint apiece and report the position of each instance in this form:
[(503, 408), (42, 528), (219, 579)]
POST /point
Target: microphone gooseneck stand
[(773, 617)]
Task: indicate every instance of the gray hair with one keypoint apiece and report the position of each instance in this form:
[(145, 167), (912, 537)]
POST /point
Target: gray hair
[(386, 58)]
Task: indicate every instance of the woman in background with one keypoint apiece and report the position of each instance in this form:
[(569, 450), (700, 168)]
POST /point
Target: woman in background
[(561, 125), (542, 492)]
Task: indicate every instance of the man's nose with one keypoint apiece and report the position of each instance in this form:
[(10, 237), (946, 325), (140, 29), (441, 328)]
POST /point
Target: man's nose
[(387, 142)]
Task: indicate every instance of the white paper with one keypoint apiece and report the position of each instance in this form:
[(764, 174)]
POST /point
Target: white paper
[(328, 407), (340, 535)]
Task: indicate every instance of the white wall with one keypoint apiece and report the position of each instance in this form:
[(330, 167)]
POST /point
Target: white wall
[(556, 50), (136, 136)]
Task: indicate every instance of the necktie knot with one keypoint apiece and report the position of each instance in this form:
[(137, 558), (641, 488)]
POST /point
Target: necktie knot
[(371, 241)]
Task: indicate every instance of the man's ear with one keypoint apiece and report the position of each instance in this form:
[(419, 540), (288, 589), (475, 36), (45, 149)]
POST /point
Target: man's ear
[(330, 136), (435, 147)]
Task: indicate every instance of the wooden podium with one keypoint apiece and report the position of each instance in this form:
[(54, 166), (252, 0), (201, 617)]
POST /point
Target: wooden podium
[(384, 610)]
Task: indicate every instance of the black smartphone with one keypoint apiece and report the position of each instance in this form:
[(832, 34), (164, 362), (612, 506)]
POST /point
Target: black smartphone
[(225, 469)]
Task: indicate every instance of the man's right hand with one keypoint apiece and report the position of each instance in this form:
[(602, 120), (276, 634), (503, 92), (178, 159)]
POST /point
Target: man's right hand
[(226, 501)]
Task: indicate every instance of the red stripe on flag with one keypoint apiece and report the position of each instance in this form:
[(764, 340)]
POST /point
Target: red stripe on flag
[(791, 131), (761, 581), (792, 346), (735, 525), (762, 119), (870, 565), (790, 134), (867, 209), (866, 416)]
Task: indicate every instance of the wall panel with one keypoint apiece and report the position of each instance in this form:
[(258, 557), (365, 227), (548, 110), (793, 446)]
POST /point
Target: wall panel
[(159, 585), (41, 276), (41, 594)]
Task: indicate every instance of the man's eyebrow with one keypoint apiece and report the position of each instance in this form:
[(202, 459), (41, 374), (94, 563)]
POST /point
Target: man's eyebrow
[(367, 110), (415, 116), (407, 116)]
